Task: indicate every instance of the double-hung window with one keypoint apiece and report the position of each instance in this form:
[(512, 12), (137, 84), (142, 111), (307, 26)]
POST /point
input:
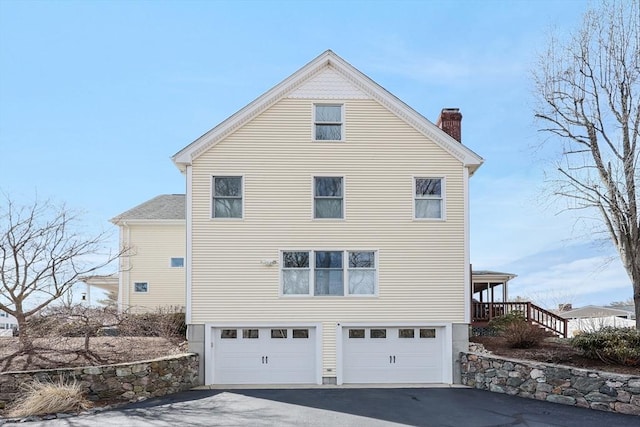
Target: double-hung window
[(328, 197), (428, 198), (227, 197), (362, 273), (295, 273), (328, 122), (329, 273)]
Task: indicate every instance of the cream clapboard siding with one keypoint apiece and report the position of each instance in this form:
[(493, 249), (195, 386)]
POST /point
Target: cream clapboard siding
[(421, 263), (152, 247)]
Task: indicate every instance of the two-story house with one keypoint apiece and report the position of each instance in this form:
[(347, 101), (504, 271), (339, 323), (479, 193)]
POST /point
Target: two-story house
[(151, 272), (327, 236)]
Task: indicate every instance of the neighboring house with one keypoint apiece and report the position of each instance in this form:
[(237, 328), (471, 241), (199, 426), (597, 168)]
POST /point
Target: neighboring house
[(592, 318), (152, 272), (8, 324), (327, 237), (592, 311)]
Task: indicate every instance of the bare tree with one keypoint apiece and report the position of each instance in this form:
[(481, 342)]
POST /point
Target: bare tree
[(588, 88), (42, 254), (110, 300), (625, 303)]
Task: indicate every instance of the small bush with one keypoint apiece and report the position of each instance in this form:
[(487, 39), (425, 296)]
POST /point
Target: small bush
[(42, 398), (516, 331), (499, 324), (165, 322), (619, 346)]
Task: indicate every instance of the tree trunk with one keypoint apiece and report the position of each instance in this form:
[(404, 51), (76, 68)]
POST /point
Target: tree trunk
[(635, 278), (26, 342)]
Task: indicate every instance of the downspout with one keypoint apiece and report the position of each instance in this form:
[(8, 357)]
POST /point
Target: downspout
[(189, 244), (467, 257), (123, 277)]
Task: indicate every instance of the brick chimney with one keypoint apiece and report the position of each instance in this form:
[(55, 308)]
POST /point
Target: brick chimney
[(450, 121)]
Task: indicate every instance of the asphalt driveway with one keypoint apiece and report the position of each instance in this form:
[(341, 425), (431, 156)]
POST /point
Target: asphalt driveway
[(342, 407)]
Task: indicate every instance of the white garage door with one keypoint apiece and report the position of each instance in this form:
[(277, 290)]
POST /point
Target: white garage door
[(392, 355), (278, 355)]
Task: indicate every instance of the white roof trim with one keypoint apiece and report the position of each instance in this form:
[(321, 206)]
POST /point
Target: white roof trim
[(191, 152), (138, 221)]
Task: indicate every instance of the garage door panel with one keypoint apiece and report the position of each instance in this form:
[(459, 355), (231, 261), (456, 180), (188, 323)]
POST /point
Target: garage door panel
[(270, 356), (403, 355)]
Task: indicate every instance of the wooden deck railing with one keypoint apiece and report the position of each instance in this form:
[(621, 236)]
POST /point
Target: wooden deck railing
[(485, 311)]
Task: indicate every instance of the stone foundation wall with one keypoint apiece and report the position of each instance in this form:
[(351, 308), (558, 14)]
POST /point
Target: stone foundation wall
[(554, 383), (121, 382)]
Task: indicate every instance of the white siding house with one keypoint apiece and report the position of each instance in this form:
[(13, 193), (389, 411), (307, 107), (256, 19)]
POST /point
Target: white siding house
[(327, 237), (8, 324), (151, 273)]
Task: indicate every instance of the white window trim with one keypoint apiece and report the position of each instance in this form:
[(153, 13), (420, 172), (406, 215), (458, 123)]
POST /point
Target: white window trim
[(345, 273), (176, 257), (344, 196), (342, 118), (140, 292), (443, 191), (212, 192)]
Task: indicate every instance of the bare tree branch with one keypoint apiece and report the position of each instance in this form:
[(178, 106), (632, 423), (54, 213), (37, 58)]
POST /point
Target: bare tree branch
[(42, 255), (588, 89)]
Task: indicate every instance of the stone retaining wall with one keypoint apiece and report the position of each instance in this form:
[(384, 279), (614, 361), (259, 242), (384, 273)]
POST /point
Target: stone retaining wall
[(604, 391), (120, 382)]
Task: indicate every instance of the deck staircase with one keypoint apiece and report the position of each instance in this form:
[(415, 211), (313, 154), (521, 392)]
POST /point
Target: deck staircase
[(483, 312)]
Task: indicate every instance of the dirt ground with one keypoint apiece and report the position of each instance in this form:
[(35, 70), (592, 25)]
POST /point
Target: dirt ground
[(64, 352), (553, 350), (107, 350)]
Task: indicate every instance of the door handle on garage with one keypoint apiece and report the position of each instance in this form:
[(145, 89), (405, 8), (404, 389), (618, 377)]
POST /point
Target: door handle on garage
[(392, 359), (266, 359)]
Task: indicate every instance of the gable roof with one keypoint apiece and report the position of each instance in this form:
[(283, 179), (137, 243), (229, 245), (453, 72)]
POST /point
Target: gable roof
[(359, 80), (163, 207)]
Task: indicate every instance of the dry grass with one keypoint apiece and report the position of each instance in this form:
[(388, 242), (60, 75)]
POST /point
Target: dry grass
[(552, 350), (62, 352), (42, 398)]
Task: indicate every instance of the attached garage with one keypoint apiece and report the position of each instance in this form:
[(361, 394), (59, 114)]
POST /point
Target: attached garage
[(264, 355), (405, 354)]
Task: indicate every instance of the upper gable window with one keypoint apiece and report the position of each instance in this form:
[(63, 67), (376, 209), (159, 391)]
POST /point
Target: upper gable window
[(429, 198), (328, 122), (227, 197)]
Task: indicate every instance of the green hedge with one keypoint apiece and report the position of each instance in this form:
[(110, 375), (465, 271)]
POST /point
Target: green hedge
[(611, 345)]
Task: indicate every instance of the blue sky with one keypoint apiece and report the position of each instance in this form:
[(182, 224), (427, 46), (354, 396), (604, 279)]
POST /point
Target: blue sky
[(95, 96)]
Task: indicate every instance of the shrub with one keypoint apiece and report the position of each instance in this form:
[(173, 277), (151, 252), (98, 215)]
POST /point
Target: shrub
[(42, 398), (611, 345), (516, 331), (499, 324), (165, 322)]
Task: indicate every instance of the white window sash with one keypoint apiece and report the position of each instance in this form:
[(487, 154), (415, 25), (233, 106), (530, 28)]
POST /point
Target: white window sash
[(440, 198), (311, 271)]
